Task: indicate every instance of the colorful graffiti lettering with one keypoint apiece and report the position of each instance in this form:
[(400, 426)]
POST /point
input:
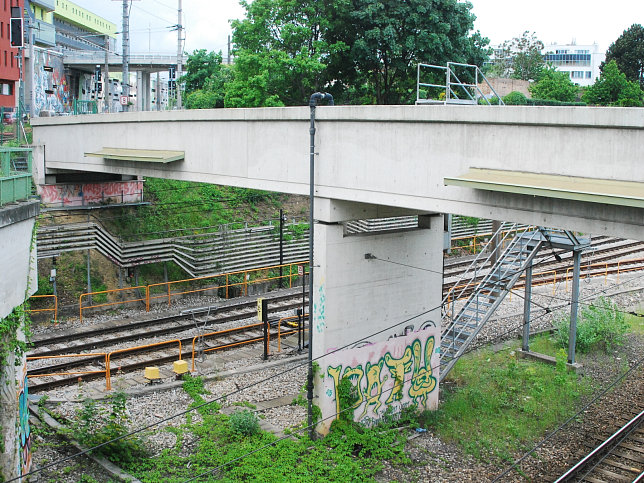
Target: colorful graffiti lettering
[(91, 193), (23, 429), (397, 373)]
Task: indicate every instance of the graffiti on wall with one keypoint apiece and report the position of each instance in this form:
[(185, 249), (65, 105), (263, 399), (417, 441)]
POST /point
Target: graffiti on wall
[(388, 376), (91, 193), (23, 430), (51, 87)]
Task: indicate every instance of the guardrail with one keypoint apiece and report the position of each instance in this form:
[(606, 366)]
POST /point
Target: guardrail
[(108, 377), (106, 304), (54, 310), (74, 373), (15, 174)]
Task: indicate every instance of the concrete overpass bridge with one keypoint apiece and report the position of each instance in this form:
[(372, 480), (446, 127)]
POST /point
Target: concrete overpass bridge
[(573, 168)]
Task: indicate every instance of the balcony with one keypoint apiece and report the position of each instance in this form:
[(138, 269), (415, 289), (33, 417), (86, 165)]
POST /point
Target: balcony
[(15, 174), (44, 33)]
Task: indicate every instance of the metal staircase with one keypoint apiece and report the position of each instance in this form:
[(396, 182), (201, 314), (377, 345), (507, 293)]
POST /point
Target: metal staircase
[(488, 293)]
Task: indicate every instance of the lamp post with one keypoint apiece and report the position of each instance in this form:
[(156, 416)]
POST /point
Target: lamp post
[(309, 385)]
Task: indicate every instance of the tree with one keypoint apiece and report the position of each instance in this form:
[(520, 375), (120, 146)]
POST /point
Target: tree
[(362, 51), (554, 85), (200, 66), (519, 58), (628, 52), (614, 89), (388, 38), (280, 53), (205, 80)]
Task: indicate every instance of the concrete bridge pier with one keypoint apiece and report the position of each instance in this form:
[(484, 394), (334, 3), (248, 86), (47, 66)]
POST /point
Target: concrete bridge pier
[(372, 288)]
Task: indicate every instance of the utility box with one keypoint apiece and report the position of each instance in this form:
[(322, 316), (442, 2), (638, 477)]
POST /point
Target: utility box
[(151, 373)]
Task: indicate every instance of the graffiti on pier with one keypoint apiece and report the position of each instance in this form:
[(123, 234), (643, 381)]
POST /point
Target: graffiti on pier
[(387, 376), (23, 429), (51, 88), (111, 192)]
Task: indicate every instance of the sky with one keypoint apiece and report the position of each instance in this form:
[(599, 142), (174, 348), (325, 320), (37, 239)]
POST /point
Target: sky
[(207, 21)]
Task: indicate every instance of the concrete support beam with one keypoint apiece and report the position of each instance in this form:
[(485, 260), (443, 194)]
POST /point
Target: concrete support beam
[(358, 301)]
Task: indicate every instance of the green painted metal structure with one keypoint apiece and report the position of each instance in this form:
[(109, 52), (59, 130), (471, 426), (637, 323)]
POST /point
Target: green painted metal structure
[(15, 174)]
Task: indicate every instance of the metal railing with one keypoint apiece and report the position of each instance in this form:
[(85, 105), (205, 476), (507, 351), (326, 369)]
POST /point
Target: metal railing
[(74, 373), (15, 174), (54, 310), (454, 90)]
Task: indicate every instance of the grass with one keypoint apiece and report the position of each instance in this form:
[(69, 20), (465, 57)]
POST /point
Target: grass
[(501, 404), (636, 323)]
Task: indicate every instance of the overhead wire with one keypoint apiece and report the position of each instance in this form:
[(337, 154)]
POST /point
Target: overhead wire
[(571, 418), (250, 385)]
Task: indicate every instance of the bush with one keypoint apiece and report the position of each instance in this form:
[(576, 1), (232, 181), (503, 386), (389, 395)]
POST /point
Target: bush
[(515, 98), (244, 422), (95, 426), (599, 325)]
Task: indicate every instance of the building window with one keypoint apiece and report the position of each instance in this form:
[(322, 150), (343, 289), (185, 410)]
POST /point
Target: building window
[(6, 89), (588, 74), (577, 74)]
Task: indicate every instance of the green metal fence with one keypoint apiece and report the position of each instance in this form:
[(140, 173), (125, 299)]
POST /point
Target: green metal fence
[(15, 174), (85, 107)]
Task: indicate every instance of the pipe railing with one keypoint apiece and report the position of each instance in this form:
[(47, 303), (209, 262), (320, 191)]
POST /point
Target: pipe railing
[(108, 383), (54, 310)]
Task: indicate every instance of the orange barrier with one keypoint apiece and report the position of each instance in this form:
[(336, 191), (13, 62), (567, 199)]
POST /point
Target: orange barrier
[(246, 274), (632, 269), (116, 290), (54, 310), (279, 329), (222, 332), (35, 358), (587, 268), (108, 382)]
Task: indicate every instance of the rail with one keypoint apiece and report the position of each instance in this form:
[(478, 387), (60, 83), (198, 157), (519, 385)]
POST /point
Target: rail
[(74, 373), (220, 333), (243, 285), (108, 377), (470, 93), (107, 304), (54, 310)]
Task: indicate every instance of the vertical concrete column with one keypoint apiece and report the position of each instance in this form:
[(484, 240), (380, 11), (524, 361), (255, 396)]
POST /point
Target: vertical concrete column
[(147, 91), (139, 90), (370, 288)]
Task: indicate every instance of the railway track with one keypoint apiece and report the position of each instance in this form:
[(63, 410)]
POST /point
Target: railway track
[(182, 326), (93, 366), (618, 458)]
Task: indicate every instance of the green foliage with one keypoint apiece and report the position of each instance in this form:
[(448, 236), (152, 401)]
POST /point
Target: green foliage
[(501, 404), (389, 39), (554, 85), (347, 394), (613, 89), (17, 321), (519, 58), (628, 52), (95, 425), (470, 220), (244, 422), (515, 98), (45, 287), (362, 51), (202, 70), (601, 324)]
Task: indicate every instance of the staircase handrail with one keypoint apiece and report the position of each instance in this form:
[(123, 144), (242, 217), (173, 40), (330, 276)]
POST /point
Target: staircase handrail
[(472, 271)]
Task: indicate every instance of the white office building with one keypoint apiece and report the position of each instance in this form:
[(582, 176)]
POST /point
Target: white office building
[(581, 62)]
